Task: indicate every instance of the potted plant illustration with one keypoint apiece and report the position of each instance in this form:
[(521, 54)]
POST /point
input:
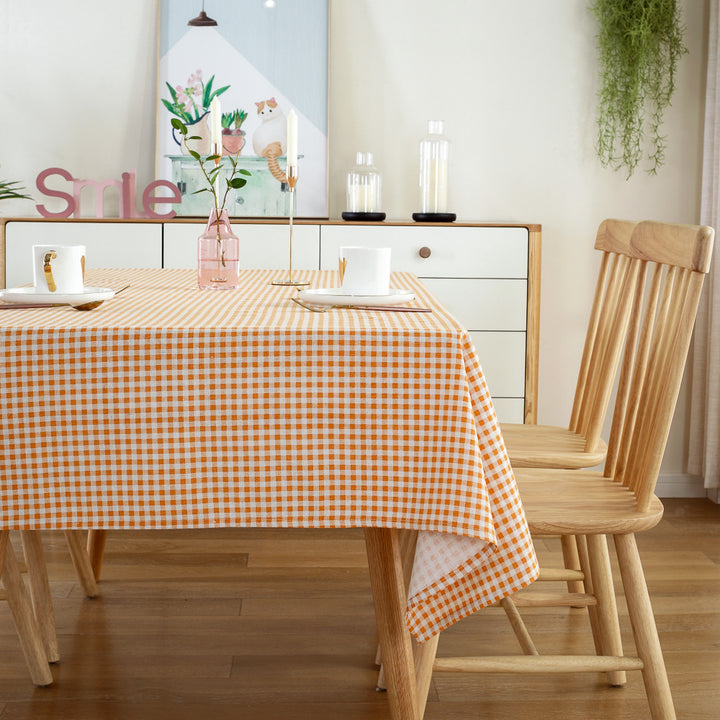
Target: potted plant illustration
[(233, 137), (191, 104)]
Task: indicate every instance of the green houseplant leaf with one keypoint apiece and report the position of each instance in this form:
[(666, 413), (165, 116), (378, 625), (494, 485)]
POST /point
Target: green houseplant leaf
[(12, 190)]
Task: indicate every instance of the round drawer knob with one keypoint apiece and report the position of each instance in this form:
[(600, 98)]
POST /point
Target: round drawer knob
[(424, 252)]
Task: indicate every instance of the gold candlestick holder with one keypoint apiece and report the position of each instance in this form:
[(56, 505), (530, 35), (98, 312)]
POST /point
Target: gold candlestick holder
[(292, 175)]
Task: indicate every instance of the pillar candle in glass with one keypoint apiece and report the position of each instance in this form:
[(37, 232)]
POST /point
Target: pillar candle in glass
[(434, 158), (364, 186)]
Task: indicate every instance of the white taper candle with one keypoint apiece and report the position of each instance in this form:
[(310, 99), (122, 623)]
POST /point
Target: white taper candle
[(216, 126), (292, 137)]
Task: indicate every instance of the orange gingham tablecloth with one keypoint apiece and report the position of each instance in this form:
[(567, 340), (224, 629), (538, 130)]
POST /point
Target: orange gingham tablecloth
[(172, 407)]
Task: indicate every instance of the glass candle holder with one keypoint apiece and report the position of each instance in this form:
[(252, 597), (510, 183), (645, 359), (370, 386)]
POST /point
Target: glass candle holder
[(364, 186), (434, 160)]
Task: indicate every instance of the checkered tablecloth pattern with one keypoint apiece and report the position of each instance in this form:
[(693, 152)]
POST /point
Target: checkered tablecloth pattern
[(172, 407)]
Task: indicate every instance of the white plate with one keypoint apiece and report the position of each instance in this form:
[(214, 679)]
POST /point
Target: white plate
[(29, 296), (336, 296)]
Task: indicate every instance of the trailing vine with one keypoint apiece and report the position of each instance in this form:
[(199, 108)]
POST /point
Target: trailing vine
[(640, 43)]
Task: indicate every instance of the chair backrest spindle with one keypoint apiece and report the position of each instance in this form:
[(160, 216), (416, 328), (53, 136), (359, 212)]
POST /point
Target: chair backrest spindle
[(613, 351), (667, 389), (590, 340), (675, 259), (594, 380), (606, 330), (634, 357)]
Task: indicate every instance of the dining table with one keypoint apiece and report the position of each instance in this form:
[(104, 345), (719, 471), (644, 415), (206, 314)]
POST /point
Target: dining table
[(169, 406)]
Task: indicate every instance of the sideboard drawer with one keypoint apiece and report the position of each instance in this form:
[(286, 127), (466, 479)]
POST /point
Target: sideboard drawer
[(483, 304), (502, 357), (262, 246), (109, 245), (451, 252)]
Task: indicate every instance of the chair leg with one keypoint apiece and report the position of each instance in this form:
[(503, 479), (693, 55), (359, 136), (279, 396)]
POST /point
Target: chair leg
[(584, 555), (25, 622), (606, 609), (518, 626), (40, 591), (95, 548), (408, 543), (380, 683), (571, 561), (642, 619), (81, 560), (424, 655)]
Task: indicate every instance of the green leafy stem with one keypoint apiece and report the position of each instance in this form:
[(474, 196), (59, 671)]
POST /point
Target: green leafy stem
[(211, 168)]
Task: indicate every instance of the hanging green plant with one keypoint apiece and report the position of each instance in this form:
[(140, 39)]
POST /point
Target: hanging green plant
[(640, 43)]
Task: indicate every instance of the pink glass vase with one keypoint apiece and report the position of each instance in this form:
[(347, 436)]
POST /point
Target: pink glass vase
[(218, 254)]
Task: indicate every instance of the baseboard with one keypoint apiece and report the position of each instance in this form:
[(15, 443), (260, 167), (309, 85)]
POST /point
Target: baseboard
[(680, 486)]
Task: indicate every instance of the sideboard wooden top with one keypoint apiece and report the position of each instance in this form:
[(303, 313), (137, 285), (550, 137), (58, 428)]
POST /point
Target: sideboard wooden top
[(532, 227)]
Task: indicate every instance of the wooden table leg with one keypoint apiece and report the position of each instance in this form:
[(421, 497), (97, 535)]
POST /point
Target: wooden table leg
[(21, 608), (388, 588), (408, 542), (40, 591), (96, 547), (81, 561)]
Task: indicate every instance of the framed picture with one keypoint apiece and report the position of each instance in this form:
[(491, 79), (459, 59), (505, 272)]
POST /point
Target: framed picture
[(260, 58)]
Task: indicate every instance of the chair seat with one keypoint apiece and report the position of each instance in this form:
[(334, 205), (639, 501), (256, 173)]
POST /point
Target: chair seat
[(581, 502), (541, 446)]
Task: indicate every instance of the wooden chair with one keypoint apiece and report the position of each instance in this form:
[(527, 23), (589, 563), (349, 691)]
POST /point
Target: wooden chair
[(579, 445), (669, 265)]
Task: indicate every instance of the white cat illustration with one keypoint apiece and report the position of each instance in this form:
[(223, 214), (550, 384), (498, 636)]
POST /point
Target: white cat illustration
[(273, 128), (270, 138)]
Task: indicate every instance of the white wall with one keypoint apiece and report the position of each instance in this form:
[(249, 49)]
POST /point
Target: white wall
[(515, 82)]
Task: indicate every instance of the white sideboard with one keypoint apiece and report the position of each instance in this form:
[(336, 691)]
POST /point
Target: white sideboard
[(261, 245), (108, 245), (487, 275)]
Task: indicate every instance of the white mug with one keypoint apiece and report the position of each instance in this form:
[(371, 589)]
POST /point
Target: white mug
[(365, 270), (59, 268)]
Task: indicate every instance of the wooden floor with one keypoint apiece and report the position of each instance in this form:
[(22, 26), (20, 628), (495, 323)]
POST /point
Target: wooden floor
[(277, 625)]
